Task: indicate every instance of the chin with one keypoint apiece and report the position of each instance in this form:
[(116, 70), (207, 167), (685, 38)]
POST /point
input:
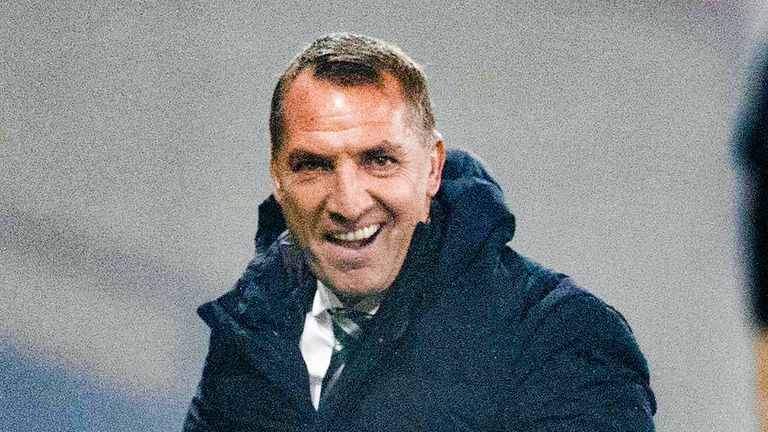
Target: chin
[(355, 286)]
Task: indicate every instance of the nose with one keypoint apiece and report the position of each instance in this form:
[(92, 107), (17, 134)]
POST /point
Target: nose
[(350, 198)]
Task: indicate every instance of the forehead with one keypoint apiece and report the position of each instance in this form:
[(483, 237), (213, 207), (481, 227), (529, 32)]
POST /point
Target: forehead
[(319, 113), (309, 100)]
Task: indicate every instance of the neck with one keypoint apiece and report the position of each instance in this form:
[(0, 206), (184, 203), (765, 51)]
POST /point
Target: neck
[(363, 302)]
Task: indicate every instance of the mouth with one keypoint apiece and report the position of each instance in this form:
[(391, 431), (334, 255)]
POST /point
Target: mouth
[(357, 238)]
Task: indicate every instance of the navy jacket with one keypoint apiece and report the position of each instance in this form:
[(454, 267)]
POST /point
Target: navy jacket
[(471, 336)]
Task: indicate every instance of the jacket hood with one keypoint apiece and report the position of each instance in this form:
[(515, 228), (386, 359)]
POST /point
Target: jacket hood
[(476, 213)]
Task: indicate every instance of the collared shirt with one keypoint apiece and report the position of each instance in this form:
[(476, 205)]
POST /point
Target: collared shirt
[(317, 340)]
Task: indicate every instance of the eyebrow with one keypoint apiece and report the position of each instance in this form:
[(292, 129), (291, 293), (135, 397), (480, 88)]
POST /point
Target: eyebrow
[(384, 147), (301, 155), (297, 156)]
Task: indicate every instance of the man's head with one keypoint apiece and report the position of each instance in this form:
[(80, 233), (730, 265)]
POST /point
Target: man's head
[(355, 159)]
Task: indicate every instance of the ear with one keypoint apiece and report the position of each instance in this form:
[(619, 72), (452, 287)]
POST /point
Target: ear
[(437, 161), (277, 191)]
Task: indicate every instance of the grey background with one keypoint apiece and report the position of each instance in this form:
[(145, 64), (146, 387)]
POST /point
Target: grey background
[(134, 148)]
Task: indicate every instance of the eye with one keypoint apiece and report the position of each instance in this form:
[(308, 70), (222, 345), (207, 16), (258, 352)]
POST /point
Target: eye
[(380, 161), (307, 163)]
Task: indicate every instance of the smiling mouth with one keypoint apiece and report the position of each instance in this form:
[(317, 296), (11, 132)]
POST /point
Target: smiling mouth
[(358, 238)]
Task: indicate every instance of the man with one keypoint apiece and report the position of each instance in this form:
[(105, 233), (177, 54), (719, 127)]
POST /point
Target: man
[(383, 296)]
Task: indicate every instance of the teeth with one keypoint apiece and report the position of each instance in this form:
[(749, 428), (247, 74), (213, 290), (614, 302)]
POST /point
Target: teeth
[(361, 234)]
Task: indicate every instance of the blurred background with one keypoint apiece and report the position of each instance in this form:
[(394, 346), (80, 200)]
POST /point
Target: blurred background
[(133, 154)]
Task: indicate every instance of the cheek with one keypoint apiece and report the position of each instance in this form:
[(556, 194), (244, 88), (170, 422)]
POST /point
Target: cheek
[(299, 207), (409, 201)]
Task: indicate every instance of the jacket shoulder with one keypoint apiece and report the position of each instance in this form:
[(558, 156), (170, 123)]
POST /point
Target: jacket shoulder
[(576, 363)]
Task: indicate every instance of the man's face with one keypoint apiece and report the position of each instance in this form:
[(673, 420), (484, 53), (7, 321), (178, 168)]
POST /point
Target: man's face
[(353, 179)]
